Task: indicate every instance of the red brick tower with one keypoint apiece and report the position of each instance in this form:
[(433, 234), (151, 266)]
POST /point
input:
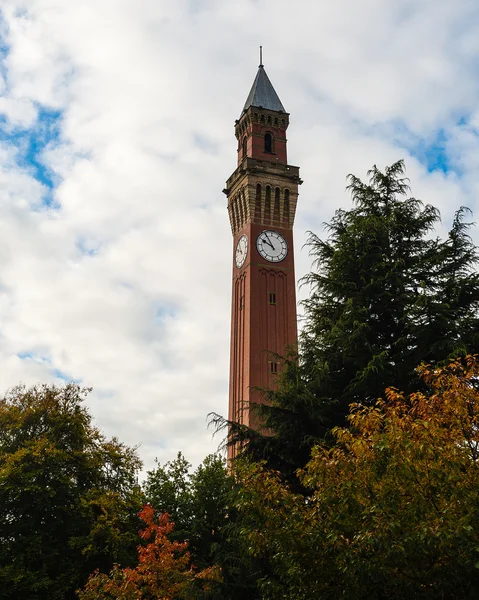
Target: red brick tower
[(262, 195)]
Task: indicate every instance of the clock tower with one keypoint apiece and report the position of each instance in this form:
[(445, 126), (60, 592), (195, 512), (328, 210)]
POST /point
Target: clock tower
[(262, 195)]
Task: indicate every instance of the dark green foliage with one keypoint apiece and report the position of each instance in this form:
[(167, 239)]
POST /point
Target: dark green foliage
[(385, 295), (68, 496), (168, 489), (196, 502), (201, 504)]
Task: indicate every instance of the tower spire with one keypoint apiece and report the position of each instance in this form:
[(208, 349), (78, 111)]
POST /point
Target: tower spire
[(262, 93), (261, 56)]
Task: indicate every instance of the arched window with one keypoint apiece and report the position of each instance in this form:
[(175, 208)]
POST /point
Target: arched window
[(268, 142), (245, 146)]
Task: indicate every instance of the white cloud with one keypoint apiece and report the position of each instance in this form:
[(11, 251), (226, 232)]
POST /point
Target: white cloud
[(124, 282)]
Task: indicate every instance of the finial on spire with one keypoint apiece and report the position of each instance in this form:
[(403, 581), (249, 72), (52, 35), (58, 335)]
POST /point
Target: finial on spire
[(261, 56)]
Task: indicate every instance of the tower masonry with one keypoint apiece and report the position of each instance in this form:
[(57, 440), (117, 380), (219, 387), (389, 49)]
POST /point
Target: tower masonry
[(262, 196)]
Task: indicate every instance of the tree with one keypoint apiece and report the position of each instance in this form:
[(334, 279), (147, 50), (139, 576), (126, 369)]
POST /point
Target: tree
[(384, 295), (211, 490), (197, 502), (169, 489), (164, 569), (202, 505), (69, 497), (392, 507)]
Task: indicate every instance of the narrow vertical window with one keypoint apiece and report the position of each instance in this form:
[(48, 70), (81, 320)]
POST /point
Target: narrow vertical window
[(241, 302), (268, 142), (234, 212), (245, 147), (272, 298), (245, 205), (241, 215), (273, 367), (286, 208), (276, 207), (257, 204), (267, 206)]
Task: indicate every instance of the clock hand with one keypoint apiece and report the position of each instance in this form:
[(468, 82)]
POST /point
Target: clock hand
[(270, 242), (267, 241)]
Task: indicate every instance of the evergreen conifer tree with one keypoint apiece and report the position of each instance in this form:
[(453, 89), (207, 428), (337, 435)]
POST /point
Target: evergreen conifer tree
[(385, 295)]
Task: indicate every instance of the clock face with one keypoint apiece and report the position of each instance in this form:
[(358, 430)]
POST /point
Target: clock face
[(272, 246), (241, 251)]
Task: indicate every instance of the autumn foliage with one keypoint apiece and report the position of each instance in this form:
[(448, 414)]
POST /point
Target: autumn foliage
[(164, 570), (393, 508)]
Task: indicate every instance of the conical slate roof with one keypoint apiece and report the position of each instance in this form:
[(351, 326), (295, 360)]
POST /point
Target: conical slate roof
[(263, 94)]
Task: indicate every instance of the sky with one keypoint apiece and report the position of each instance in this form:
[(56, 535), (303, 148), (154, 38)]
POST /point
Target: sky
[(117, 137)]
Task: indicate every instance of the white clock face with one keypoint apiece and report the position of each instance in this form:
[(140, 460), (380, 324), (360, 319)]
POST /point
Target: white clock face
[(272, 246), (241, 251)]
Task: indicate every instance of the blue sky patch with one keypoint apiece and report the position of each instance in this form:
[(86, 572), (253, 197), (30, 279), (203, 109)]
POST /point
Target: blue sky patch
[(31, 143), (45, 360), (25, 355), (64, 376), (432, 150), (46, 131), (433, 153)]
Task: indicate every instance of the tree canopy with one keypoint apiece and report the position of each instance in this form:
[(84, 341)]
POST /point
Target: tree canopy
[(202, 505), (69, 496), (392, 506), (196, 501)]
